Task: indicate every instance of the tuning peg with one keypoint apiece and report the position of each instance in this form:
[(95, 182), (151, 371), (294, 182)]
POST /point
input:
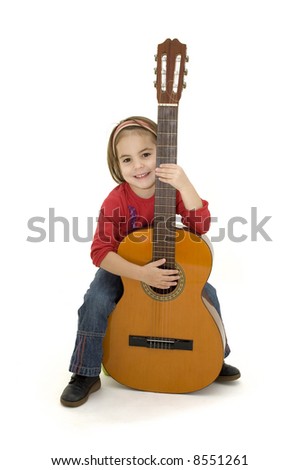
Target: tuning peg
[(185, 72), (155, 57), (155, 84), (155, 70), (184, 85), (187, 58)]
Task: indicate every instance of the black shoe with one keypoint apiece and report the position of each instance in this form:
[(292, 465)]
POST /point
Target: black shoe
[(228, 373), (78, 390)]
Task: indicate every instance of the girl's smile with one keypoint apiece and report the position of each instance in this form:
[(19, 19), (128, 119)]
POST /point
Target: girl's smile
[(142, 175)]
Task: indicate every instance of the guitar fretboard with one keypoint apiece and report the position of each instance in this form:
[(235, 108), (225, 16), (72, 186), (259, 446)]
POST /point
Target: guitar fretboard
[(165, 194)]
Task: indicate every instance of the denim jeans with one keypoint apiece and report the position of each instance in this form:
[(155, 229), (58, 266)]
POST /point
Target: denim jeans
[(99, 301)]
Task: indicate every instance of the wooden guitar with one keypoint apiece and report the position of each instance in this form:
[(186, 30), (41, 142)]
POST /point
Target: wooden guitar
[(166, 340)]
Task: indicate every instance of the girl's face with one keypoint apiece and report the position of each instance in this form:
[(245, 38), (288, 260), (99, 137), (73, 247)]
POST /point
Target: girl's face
[(136, 151)]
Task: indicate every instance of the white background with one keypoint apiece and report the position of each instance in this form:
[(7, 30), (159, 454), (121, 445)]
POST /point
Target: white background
[(70, 70)]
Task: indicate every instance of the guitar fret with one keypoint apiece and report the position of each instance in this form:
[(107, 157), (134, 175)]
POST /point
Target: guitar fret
[(166, 146), (163, 236), (164, 249), (159, 196), (168, 104)]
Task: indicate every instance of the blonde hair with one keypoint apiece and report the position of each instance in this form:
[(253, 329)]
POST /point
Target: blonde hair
[(128, 124)]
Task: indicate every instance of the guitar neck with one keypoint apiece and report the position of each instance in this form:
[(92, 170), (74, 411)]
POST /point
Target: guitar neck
[(165, 194)]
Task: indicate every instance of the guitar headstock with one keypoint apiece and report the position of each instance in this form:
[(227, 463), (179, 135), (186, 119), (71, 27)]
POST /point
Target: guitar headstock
[(171, 58)]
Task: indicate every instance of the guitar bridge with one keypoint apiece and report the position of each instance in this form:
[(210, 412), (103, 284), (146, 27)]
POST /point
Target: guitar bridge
[(161, 343)]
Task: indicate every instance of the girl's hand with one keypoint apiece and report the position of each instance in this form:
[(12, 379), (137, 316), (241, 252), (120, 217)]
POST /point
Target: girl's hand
[(154, 276), (174, 175)]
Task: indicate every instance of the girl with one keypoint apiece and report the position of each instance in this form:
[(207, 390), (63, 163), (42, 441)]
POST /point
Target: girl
[(130, 205)]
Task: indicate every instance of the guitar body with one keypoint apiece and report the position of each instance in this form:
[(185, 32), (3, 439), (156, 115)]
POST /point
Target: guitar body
[(149, 320)]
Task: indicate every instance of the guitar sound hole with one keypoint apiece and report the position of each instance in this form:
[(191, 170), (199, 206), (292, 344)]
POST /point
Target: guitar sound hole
[(163, 291), (166, 294)]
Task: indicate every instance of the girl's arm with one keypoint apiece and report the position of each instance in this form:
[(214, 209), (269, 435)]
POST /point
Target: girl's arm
[(150, 273)]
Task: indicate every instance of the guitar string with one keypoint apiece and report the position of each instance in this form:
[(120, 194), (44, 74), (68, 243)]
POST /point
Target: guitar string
[(169, 261), (165, 308)]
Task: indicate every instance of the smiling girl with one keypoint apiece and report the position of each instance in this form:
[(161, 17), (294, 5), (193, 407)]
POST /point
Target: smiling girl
[(129, 206)]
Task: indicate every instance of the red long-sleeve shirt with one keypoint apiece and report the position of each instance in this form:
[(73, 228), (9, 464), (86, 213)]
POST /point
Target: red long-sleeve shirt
[(124, 211)]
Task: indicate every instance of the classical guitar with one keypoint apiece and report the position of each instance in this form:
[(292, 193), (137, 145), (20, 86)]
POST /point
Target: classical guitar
[(166, 340)]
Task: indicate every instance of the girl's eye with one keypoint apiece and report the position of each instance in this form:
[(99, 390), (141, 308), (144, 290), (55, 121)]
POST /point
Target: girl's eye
[(146, 154), (126, 160)]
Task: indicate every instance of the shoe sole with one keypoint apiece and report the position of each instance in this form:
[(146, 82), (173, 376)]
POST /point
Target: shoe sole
[(74, 404), (227, 378)]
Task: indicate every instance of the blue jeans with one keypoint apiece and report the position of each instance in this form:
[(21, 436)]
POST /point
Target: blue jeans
[(99, 301)]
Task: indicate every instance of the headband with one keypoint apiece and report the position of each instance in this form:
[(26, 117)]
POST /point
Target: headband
[(129, 123)]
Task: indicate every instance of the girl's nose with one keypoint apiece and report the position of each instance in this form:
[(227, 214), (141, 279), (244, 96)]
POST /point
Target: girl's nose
[(138, 163)]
